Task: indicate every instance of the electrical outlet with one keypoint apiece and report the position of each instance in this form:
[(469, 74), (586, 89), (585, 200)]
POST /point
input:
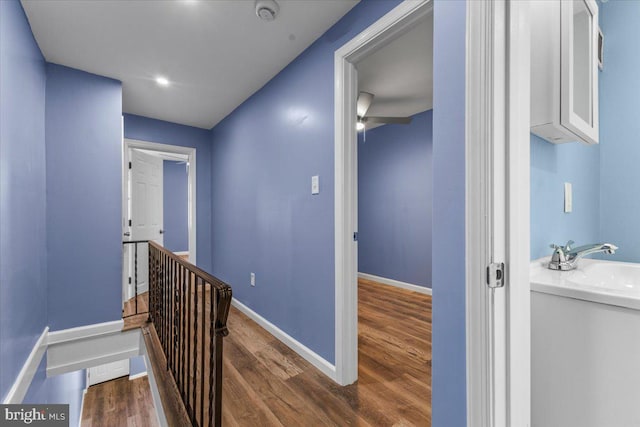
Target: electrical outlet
[(253, 279)]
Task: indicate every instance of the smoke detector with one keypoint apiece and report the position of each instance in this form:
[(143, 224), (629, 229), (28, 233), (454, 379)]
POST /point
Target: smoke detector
[(267, 10)]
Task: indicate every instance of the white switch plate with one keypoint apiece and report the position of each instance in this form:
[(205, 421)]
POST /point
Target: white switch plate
[(253, 279), (568, 197), (315, 184)]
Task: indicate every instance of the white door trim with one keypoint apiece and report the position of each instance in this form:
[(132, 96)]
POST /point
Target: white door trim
[(486, 385), (497, 152), (390, 26), (190, 152), (518, 223)]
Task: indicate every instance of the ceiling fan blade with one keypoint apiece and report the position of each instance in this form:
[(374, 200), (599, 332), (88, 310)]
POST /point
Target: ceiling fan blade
[(364, 102), (388, 120)]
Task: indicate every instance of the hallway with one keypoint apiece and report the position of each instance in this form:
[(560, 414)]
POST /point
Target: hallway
[(267, 384)]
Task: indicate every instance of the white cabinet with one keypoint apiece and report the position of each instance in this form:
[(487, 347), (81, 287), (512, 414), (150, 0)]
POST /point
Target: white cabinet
[(564, 70)]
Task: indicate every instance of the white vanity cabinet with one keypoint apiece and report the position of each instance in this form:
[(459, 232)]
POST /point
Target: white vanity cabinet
[(564, 70)]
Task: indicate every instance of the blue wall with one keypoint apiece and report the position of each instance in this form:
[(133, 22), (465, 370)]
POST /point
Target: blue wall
[(37, 392), (68, 388), (137, 365), (620, 129), (23, 262), (152, 130), (551, 166), (395, 201), (84, 193), (449, 336), (265, 219), (603, 176), (267, 222), (175, 202), (65, 388)]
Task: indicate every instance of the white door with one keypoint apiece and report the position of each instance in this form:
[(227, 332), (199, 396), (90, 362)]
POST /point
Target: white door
[(146, 214), (109, 371)]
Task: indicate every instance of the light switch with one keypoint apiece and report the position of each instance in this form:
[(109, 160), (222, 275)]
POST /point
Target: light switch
[(253, 279), (568, 197), (315, 184)]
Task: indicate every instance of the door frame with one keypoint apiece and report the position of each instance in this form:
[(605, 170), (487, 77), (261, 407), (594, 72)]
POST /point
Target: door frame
[(518, 223), (393, 24), (190, 152), (497, 203), (498, 223)]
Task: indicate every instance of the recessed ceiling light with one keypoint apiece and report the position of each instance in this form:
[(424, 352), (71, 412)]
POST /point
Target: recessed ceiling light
[(162, 81)]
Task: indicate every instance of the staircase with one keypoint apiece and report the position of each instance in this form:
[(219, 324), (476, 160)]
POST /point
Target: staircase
[(184, 323)]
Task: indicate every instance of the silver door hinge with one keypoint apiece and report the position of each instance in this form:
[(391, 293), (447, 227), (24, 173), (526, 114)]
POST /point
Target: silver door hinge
[(495, 275), (355, 236)]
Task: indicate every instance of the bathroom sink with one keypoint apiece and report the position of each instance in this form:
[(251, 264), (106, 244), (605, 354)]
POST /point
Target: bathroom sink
[(607, 282), (616, 276)]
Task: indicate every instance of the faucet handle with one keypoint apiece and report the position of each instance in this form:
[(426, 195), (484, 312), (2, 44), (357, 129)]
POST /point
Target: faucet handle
[(567, 247), (559, 253)]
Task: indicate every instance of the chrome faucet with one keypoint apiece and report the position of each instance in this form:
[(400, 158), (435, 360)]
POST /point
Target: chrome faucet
[(566, 258)]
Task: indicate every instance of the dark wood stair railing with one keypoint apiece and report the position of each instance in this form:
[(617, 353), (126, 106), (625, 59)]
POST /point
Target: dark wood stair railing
[(188, 308)]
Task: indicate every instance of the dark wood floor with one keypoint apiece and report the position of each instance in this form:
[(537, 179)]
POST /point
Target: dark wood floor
[(131, 319), (120, 402), (267, 384)]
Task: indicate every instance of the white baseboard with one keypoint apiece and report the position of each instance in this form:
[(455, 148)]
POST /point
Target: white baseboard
[(396, 283), (136, 376), (181, 253), (21, 385), (309, 355)]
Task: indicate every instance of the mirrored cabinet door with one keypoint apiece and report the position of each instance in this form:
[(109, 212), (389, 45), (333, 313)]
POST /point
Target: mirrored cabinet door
[(564, 70), (579, 68)]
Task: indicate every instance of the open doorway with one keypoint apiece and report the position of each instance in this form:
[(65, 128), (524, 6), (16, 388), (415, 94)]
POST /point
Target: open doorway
[(394, 151), (159, 204), (401, 25), (487, 115), (394, 215)]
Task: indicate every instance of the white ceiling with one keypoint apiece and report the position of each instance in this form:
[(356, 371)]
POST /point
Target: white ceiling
[(400, 74), (215, 53)]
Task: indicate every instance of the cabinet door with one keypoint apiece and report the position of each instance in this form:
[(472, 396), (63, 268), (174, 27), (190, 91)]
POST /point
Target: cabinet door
[(579, 68)]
